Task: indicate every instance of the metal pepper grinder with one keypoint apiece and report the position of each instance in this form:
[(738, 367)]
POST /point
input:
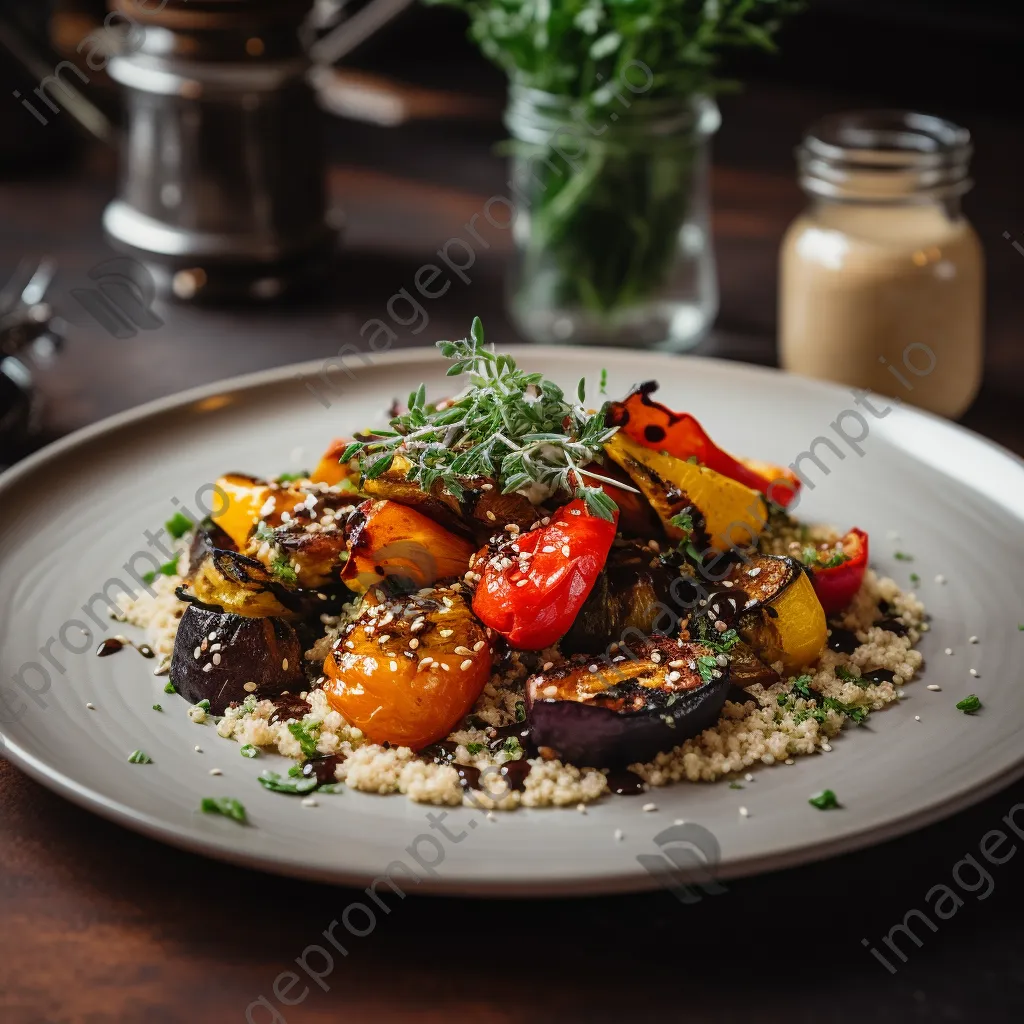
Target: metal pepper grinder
[(222, 187)]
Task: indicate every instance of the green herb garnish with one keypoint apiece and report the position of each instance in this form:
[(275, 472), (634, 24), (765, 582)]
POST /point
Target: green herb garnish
[(226, 805), (138, 757), (520, 711), (825, 801), (283, 569), (836, 558), (274, 782), (290, 478), (854, 712), (735, 785), (969, 704), (515, 427), (914, 578), (249, 751), (474, 748), (156, 707), (802, 687), (178, 525), (306, 737), (170, 687), (167, 569), (707, 667), (512, 747), (842, 672), (204, 704), (902, 556)]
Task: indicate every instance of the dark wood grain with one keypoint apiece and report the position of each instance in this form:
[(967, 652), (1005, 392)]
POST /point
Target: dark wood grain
[(100, 924)]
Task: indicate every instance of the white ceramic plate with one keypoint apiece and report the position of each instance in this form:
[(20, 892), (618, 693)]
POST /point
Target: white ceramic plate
[(72, 515)]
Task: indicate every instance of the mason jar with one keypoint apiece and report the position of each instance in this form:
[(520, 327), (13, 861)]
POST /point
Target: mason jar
[(881, 279), (612, 234)]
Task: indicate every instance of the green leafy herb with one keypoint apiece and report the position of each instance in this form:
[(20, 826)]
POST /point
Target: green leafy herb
[(826, 800), (603, 389), (265, 534), (708, 668), (306, 736), (735, 785), (842, 672), (836, 558), (914, 578), (969, 704), (274, 782), (226, 805), (178, 525), (138, 757), (802, 687), (288, 478), (249, 751), (902, 556), (170, 687), (295, 772), (167, 569), (204, 704), (283, 569), (520, 711), (512, 747), (852, 711), (156, 707), (516, 427), (474, 748)]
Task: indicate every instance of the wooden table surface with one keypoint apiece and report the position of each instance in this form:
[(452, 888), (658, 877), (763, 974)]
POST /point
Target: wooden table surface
[(100, 924)]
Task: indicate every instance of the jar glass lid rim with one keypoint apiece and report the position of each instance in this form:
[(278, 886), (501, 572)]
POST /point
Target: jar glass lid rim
[(894, 132)]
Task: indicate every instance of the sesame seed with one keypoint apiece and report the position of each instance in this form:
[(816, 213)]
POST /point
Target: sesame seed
[(972, 640), (753, 572), (284, 664), (593, 668), (426, 663), (565, 550), (490, 515), (975, 673), (582, 808), (216, 647), (924, 627), (522, 583), (649, 807), (479, 645), (216, 771), (212, 636), (547, 666), (309, 802), (445, 632), (394, 665), (934, 686), (383, 638), (491, 816), (826, 747), (618, 835), (949, 650), (749, 777), (940, 578), (744, 813), (545, 521), (720, 626), (208, 667), (547, 549), (91, 706), (197, 653), (445, 667), (413, 644), (789, 760), (656, 657), (679, 821), (917, 718), (349, 644), (199, 750), (249, 687), (216, 659)]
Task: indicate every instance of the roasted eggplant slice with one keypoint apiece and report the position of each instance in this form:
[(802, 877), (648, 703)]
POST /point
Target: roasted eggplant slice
[(606, 712), (746, 668), (217, 657), (632, 593)]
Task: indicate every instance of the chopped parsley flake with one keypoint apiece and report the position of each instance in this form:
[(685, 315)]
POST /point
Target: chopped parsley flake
[(204, 704), (225, 805), (170, 688), (735, 785), (914, 578), (707, 666), (969, 704), (249, 751), (802, 687), (520, 711), (474, 748), (825, 800), (290, 478), (138, 757), (306, 737), (902, 556), (274, 782), (283, 569), (178, 525), (852, 711), (156, 707), (167, 569), (512, 748), (842, 672)]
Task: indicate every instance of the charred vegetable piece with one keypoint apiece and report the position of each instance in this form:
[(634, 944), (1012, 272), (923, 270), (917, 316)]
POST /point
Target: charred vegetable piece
[(726, 513), (636, 517), (632, 593), (746, 668), (837, 582), (407, 670), (789, 627), (481, 510), (533, 585), (388, 540), (655, 426), (242, 650), (230, 582), (627, 710), (330, 470)]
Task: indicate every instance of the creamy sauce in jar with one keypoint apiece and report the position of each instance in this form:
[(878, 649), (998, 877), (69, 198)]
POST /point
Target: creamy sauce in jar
[(881, 280)]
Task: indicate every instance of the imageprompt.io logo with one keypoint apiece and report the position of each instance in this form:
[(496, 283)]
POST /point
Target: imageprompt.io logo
[(121, 300), (686, 863)]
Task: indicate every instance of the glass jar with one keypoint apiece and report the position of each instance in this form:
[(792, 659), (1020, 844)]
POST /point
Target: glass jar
[(882, 278), (612, 229)]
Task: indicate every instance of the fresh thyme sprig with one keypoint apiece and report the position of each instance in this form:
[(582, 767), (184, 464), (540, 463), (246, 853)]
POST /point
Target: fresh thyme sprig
[(517, 428)]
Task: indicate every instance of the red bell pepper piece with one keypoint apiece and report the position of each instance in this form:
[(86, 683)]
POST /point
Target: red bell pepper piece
[(836, 586), (656, 426), (564, 560)]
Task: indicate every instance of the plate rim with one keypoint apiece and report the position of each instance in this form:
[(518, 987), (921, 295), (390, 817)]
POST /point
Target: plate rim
[(221, 847)]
